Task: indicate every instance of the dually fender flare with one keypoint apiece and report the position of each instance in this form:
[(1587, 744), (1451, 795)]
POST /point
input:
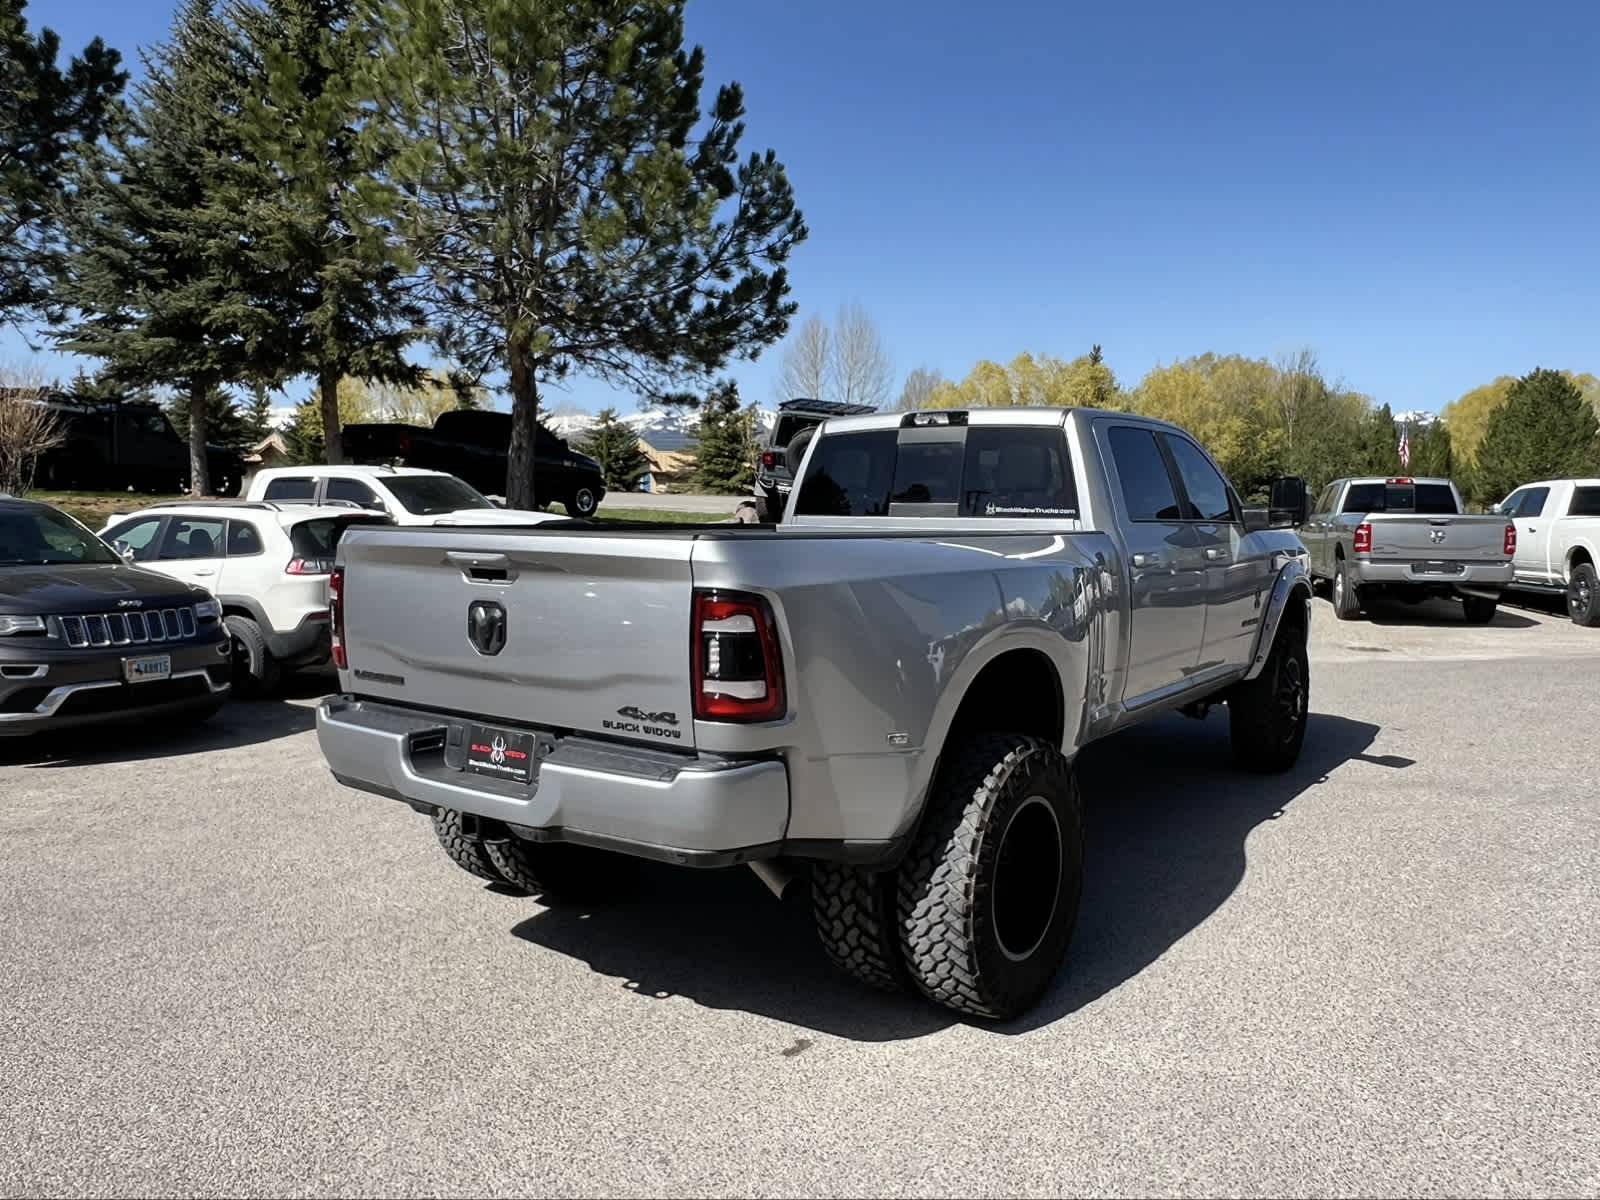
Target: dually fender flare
[(1292, 586)]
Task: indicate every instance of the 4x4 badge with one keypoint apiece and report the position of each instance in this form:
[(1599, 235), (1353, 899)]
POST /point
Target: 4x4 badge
[(652, 718)]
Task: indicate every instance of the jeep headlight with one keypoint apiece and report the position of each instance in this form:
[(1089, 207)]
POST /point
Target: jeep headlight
[(10, 625), (207, 610)]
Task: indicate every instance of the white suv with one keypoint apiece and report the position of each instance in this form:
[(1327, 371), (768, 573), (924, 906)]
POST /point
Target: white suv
[(408, 495), (268, 565)]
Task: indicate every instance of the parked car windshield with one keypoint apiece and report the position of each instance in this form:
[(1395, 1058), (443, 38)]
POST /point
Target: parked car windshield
[(428, 494), (41, 537)]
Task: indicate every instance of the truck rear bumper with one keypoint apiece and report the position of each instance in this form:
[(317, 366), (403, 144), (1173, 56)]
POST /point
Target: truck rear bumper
[(1489, 578), (651, 804)]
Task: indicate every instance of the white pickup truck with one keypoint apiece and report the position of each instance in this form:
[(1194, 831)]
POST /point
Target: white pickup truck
[(1558, 541)]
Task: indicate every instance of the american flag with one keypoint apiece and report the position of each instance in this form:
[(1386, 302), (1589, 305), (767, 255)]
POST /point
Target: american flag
[(1405, 446)]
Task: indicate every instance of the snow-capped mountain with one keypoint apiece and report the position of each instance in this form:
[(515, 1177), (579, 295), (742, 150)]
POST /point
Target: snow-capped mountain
[(1416, 419), (665, 429)]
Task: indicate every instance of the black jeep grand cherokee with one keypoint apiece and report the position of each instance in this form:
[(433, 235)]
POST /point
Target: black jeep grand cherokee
[(86, 638)]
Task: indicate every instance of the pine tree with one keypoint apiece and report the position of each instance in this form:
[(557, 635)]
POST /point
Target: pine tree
[(159, 285), (1546, 429), (616, 448), (225, 424), (302, 436), (320, 232), (570, 210), (725, 462), (258, 416), (45, 113)]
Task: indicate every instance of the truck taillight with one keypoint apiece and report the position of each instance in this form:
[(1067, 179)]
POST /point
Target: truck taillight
[(1511, 541), (1363, 541), (768, 459), (336, 616), (736, 665)]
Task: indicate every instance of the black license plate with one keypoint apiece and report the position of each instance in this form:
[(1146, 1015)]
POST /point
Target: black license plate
[(505, 753), (1436, 567)]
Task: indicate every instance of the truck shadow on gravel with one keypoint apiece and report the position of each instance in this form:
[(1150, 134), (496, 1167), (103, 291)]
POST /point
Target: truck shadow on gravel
[(1166, 817), (1428, 613), (238, 723)]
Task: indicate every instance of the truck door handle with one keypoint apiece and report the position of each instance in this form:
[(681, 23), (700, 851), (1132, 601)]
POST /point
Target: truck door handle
[(1147, 560), (205, 572), (1213, 552), (482, 568)]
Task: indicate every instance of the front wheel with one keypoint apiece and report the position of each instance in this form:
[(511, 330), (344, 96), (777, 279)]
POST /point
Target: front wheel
[(988, 895), (1583, 595), (582, 502), (1478, 610), (1267, 716)]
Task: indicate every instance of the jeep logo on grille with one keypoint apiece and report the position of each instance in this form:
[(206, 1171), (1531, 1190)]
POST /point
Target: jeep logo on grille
[(486, 626)]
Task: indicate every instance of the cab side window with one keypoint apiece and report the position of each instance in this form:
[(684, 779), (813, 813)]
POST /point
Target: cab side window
[(1209, 498), (1147, 490), (291, 487)]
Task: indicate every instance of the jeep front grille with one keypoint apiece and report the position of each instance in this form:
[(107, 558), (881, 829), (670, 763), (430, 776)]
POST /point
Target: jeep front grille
[(125, 628)]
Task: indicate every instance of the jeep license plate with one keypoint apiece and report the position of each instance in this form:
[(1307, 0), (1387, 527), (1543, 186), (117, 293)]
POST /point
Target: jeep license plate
[(151, 666), (505, 753)]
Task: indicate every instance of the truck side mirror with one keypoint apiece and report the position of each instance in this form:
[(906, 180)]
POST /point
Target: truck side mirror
[(1291, 501)]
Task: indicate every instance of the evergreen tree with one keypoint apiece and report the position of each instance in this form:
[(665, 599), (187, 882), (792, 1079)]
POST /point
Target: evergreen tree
[(1431, 451), (46, 114), (616, 448), (225, 424), (258, 416), (325, 259), (725, 462), (1546, 429), (1380, 443), (302, 436), (160, 286), (570, 211)]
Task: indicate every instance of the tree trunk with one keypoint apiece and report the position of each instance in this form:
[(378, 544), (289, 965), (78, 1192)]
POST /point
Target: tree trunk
[(520, 487), (199, 468), (332, 433)]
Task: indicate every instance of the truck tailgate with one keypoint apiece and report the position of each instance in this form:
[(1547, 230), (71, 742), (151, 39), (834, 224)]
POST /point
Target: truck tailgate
[(595, 628), (1421, 537)]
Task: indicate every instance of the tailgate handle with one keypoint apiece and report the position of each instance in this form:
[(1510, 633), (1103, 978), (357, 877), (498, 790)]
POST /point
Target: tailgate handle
[(482, 568)]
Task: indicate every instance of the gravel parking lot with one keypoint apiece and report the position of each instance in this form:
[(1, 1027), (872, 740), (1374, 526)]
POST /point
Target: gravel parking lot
[(224, 974)]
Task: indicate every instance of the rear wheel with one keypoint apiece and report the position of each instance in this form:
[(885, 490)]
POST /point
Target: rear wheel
[(255, 671), (582, 502), (988, 895), (1583, 595), (854, 911), (560, 870), (1478, 610), (1346, 596), (462, 840)]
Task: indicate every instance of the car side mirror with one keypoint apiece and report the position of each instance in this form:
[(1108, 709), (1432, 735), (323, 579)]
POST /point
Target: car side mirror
[(1290, 504), (125, 550)]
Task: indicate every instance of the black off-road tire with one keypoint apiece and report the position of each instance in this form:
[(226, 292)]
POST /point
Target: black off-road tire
[(854, 911), (1345, 595), (255, 671), (1267, 716), (1000, 845), (1478, 610), (764, 511), (557, 871), (466, 850), (1583, 595), (796, 450)]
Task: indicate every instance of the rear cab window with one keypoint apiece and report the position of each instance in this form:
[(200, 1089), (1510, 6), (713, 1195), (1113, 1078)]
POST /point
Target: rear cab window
[(1004, 471), (291, 487), (1585, 502), (1378, 497)]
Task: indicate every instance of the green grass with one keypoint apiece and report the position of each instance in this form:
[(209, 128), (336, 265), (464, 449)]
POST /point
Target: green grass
[(94, 509)]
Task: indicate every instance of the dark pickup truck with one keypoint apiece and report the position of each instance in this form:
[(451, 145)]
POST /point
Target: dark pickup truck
[(471, 444), (111, 445)]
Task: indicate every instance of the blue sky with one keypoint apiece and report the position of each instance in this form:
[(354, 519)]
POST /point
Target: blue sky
[(1408, 189)]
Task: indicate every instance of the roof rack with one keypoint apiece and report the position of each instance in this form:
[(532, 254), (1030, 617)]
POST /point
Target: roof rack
[(271, 505), (835, 408)]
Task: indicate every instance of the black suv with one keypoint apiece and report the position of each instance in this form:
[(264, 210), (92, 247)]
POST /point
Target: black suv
[(787, 445), (86, 638)]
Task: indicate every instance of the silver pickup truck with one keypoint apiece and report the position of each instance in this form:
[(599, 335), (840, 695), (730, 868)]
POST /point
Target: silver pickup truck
[(883, 692), (1407, 539)]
